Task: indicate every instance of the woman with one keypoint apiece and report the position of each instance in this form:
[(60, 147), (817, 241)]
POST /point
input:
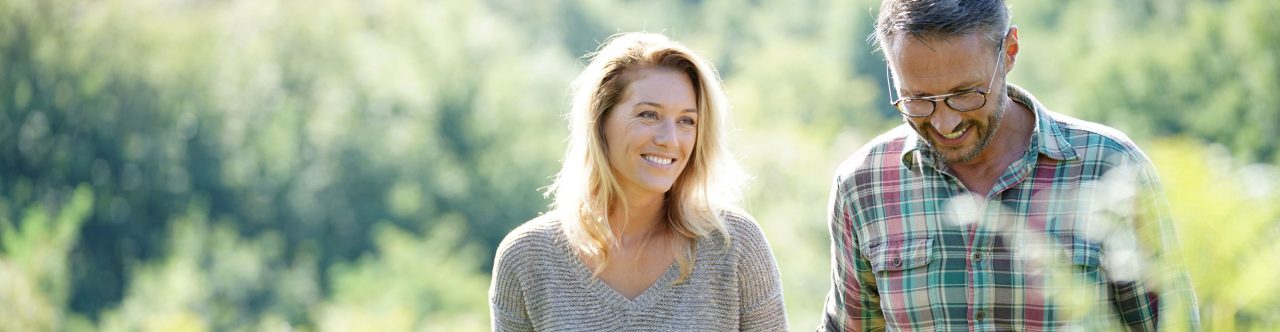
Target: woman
[(641, 235)]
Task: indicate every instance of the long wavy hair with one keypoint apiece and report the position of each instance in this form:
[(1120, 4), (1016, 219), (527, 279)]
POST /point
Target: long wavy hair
[(586, 191)]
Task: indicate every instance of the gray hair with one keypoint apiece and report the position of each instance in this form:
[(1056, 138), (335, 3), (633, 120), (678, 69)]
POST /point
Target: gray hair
[(941, 18)]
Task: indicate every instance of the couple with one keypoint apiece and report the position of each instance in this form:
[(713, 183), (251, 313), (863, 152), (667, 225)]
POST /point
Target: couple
[(976, 214)]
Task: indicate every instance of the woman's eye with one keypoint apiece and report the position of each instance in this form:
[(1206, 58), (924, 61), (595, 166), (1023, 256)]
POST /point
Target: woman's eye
[(649, 115), (688, 121)]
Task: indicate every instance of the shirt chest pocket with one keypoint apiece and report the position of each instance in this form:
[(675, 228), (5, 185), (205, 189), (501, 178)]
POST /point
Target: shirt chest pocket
[(900, 254), (1084, 256)]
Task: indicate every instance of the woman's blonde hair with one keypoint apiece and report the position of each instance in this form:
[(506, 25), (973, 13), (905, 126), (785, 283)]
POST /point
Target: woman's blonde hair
[(586, 191)]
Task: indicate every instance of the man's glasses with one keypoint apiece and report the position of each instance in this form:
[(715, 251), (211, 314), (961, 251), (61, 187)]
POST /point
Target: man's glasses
[(963, 101)]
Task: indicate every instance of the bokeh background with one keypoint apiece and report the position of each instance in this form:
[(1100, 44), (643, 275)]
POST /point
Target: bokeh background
[(349, 165)]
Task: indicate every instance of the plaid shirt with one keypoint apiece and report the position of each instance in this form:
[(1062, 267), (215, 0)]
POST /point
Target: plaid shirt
[(1063, 240)]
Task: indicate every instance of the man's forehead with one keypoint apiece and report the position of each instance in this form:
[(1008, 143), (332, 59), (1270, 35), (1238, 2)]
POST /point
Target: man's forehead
[(938, 65), (904, 44)]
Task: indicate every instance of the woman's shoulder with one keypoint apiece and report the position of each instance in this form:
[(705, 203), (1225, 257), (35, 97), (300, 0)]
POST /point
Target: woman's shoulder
[(744, 232), (538, 234), (748, 249)]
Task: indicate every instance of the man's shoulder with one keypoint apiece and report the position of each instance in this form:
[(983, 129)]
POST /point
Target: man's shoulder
[(1089, 138), (884, 151)]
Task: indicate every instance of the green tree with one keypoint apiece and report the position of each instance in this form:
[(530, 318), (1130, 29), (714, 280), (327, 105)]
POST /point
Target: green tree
[(34, 281)]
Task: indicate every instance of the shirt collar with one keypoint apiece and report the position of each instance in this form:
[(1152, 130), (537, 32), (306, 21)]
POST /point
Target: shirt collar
[(1048, 137)]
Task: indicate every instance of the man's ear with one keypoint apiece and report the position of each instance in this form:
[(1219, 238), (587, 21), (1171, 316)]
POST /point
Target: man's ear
[(1010, 48)]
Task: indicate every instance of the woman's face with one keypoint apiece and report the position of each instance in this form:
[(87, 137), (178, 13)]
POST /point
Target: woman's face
[(650, 134)]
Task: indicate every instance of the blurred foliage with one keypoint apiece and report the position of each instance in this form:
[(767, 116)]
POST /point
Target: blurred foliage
[(1228, 226), (33, 264), (404, 289), (350, 165), (1207, 69)]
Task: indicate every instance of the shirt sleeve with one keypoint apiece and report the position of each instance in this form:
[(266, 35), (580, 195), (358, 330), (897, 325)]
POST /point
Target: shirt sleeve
[(853, 304), (1141, 306), (506, 296), (759, 281)]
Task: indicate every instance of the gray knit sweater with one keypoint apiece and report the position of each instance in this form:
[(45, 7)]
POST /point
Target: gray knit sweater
[(539, 284)]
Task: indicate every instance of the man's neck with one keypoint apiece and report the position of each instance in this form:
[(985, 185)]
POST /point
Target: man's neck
[(1011, 141)]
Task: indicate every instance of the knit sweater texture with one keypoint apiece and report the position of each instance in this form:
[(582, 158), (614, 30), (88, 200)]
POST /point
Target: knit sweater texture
[(540, 284)]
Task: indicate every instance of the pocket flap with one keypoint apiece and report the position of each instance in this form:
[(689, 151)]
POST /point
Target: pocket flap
[(902, 254), (1080, 252)]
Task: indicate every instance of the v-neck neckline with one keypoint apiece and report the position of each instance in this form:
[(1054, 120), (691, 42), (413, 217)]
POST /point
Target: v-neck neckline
[(607, 293)]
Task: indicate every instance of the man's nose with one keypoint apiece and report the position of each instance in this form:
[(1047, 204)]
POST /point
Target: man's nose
[(944, 118)]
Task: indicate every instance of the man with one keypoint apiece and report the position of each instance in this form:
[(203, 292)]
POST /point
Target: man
[(986, 211)]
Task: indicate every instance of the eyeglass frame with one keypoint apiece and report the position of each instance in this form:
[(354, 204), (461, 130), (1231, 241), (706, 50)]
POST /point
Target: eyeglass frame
[(945, 98)]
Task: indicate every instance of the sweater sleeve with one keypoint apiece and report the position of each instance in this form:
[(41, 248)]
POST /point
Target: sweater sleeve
[(760, 284), (506, 295)]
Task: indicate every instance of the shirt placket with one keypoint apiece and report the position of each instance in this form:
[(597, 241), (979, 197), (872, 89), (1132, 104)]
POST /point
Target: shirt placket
[(977, 238), (995, 221), (977, 261)]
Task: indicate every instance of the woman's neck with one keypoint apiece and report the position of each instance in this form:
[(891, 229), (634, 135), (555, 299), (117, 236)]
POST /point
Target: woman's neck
[(644, 218)]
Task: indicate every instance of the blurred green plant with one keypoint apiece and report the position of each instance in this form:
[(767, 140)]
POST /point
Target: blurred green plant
[(212, 278), (296, 122), (34, 283), (1202, 68), (413, 284), (1228, 222)]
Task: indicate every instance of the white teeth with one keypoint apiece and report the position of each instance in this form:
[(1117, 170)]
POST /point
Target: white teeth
[(659, 160), (955, 134)]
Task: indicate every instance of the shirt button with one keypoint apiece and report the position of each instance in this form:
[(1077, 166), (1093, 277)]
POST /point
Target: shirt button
[(980, 315), (977, 257), (897, 261)]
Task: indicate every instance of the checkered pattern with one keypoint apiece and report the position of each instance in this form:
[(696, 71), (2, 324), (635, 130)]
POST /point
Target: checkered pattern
[(1064, 240)]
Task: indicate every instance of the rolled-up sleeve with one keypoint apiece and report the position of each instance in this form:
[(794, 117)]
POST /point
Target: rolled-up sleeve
[(853, 304)]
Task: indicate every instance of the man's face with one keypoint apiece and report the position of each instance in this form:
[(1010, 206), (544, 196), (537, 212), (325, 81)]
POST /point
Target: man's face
[(944, 65)]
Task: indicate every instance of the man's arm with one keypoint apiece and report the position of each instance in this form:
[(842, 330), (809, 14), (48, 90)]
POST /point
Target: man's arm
[(853, 303), (1161, 297)]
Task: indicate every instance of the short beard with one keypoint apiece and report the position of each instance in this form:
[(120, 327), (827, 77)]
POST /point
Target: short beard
[(984, 138)]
